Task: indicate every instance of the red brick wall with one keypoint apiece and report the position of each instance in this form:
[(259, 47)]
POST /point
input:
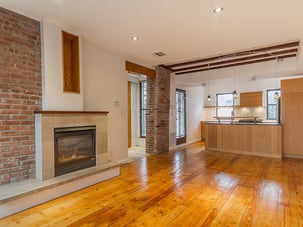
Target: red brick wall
[(20, 94), (157, 117)]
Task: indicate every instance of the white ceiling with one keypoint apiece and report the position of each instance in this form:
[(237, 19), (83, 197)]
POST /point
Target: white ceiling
[(184, 30)]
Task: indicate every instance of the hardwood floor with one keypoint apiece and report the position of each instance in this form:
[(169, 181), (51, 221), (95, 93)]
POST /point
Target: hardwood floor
[(188, 187)]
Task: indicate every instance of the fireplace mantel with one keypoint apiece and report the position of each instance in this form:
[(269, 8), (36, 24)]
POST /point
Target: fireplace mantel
[(69, 112), (47, 121)]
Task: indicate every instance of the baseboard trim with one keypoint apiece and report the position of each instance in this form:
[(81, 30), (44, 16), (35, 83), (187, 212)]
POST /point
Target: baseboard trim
[(184, 144), (292, 156)]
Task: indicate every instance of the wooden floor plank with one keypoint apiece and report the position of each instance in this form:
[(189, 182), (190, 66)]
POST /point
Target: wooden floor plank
[(187, 187), (231, 212)]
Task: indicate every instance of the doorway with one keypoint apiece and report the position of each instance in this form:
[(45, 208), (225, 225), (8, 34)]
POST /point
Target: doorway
[(180, 116), (136, 115)]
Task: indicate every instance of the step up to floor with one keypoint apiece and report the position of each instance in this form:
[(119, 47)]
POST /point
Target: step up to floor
[(19, 196)]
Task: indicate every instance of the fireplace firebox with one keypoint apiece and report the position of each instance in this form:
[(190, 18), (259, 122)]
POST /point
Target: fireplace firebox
[(75, 148)]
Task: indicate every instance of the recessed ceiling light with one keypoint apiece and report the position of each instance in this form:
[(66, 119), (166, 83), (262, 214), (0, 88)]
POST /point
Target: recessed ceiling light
[(218, 9), (135, 38)]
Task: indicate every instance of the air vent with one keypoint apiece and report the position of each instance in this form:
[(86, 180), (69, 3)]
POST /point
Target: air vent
[(159, 54)]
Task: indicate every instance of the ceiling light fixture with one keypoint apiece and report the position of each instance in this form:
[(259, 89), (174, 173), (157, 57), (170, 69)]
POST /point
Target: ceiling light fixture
[(234, 92), (135, 38), (276, 94), (218, 9), (208, 97)]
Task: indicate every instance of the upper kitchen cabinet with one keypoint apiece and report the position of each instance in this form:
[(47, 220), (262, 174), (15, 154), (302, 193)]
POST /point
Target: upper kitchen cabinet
[(292, 121), (251, 99), (292, 85)]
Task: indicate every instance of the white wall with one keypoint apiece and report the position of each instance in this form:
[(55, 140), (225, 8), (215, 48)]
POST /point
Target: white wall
[(103, 85), (53, 97), (194, 108), (263, 70), (105, 89), (240, 85)]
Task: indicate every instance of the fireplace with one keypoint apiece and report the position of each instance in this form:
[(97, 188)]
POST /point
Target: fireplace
[(75, 148)]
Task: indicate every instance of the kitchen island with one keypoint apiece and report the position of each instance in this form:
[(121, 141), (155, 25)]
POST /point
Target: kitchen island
[(260, 139)]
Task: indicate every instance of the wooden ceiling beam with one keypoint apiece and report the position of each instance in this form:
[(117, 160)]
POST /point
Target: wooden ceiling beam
[(277, 54), (135, 68), (235, 64), (240, 53)]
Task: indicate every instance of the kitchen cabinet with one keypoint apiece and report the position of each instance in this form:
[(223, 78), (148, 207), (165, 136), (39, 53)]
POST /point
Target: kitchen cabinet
[(291, 117), (250, 139), (202, 130), (251, 99)]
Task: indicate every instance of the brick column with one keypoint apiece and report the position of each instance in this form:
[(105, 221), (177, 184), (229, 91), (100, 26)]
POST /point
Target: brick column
[(157, 119)]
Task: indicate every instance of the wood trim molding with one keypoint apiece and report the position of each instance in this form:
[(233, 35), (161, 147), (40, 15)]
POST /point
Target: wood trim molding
[(129, 100), (135, 68), (71, 62), (69, 112)]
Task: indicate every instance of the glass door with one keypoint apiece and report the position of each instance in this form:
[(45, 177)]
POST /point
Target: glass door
[(180, 116)]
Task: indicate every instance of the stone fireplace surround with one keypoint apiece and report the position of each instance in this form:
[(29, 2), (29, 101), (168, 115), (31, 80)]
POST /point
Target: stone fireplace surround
[(22, 195), (47, 121)]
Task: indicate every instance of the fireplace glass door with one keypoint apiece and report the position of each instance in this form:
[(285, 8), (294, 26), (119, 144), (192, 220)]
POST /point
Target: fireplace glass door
[(74, 149)]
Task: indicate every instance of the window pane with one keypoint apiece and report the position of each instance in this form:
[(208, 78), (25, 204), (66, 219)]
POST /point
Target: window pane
[(271, 111), (144, 94), (180, 114), (143, 122), (143, 106), (271, 96), (272, 103), (227, 101)]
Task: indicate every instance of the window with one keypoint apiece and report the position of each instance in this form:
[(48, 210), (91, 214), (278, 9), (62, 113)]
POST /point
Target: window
[(143, 107), (180, 114), (272, 103), (225, 104)]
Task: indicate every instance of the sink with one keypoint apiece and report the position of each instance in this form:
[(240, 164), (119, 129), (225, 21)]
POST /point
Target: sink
[(249, 120)]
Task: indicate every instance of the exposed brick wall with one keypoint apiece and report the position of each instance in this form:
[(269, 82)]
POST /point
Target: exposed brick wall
[(157, 118), (20, 94)]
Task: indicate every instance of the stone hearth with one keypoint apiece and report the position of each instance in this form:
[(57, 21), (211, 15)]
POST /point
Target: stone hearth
[(22, 195), (19, 196)]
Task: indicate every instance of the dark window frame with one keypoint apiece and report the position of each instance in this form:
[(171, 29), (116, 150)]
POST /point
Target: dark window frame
[(184, 92), (267, 103), (142, 109)]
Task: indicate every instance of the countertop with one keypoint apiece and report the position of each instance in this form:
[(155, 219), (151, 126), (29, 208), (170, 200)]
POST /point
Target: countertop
[(243, 123)]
